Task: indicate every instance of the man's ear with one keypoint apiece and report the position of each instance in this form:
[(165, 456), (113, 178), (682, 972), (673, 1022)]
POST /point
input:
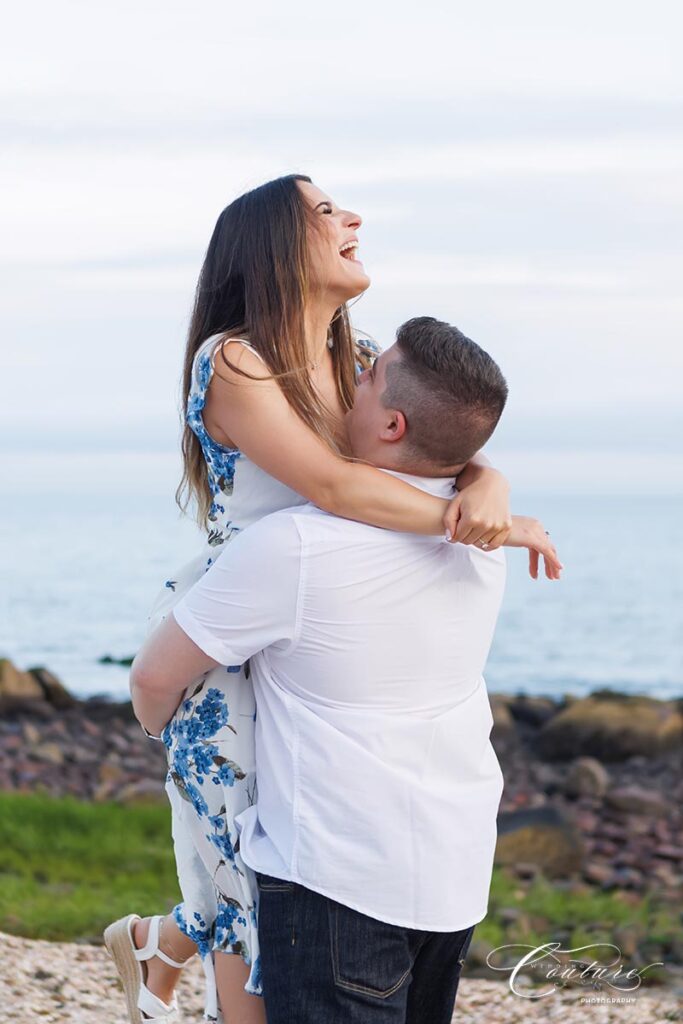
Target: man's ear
[(394, 427)]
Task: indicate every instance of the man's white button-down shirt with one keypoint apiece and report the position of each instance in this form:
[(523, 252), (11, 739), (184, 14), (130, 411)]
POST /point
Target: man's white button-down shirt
[(377, 782)]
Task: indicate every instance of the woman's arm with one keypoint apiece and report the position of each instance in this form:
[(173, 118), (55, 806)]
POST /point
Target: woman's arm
[(257, 418), (254, 416), (480, 512)]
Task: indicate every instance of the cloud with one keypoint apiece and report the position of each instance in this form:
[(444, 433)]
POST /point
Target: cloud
[(518, 169)]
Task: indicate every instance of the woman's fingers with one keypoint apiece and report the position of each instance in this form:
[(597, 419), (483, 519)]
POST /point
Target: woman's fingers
[(553, 566), (467, 531), (533, 563), (452, 518), (480, 533), (498, 539)]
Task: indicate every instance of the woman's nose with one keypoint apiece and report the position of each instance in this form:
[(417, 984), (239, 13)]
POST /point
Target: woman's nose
[(353, 220)]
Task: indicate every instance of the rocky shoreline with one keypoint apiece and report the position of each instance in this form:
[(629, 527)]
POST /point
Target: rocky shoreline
[(50, 742), (593, 796), (593, 786)]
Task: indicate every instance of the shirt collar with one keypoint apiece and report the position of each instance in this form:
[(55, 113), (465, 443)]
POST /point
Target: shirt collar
[(441, 486)]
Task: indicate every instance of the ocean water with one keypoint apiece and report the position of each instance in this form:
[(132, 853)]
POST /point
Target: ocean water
[(86, 541)]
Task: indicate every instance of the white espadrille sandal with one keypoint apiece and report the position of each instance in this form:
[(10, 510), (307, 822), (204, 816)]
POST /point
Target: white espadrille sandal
[(143, 1006)]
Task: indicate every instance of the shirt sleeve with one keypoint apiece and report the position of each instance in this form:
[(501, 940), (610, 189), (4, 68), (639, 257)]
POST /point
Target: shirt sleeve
[(248, 599)]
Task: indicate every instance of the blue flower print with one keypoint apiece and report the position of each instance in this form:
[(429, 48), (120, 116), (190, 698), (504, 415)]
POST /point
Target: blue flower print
[(222, 843), (198, 931), (212, 712), (226, 775), (203, 758), (198, 802), (204, 372), (230, 912), (193, 757), (256, 974)]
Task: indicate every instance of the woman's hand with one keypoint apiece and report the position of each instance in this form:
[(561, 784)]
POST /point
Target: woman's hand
[(480, 514), (530, 533)]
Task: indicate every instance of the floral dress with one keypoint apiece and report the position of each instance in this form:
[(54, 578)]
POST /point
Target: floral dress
[(210, 740)]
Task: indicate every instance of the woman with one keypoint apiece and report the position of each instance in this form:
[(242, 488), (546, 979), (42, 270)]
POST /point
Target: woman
[(270, 372)]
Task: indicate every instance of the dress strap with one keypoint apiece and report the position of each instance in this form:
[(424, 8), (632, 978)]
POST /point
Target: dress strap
[(241, 341)]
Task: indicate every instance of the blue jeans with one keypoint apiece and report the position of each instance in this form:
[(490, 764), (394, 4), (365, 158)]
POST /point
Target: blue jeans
[(324, 963)]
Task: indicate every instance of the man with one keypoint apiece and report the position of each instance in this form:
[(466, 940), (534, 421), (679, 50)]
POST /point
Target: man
[(375, 825)]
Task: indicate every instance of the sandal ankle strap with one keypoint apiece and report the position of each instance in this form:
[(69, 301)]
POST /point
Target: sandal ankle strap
[(151, 947)]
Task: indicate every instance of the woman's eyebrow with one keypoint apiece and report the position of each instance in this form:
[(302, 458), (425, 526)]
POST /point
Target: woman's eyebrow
[(324, 202)]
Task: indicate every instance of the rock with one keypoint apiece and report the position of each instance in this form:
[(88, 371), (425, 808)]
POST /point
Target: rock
[(637, 800), (478, 953), (586, 777), (670, 853), (17, 688), (611, 830), (526, 870), (142, 792), (79, 755), (605, 847), (628, 859), (628, 878), (57, 729), (533, 710), (587, 821), (660, 830), (612, 727), (54, 692), (665, 874), (51, 753), (638, 825), (118, 742), (111, 772), (503, 722), (103, 791), (541, 836), (107, 659), (599, 873), (91, 728), (31, 733), (546, 777)]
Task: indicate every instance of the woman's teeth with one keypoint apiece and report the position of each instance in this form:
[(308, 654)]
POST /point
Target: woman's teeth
[(348, 250)]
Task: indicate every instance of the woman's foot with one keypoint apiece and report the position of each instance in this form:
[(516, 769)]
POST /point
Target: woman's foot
[(160, 978), (146, 966)]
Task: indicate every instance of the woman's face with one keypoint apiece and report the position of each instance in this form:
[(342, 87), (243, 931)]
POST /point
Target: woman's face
[(333, 245)]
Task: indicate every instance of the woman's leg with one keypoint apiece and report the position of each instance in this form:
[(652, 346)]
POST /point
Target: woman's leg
[(161, 978), (211, 780), (237, 1006)]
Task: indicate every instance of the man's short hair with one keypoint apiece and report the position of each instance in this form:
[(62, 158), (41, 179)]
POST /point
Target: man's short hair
[(450, 391)]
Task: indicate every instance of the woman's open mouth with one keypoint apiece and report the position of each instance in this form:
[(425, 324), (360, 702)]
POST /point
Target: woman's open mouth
[(348, 251)]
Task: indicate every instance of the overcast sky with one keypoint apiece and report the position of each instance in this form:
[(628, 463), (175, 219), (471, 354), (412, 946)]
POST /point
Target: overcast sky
[(519, 169)]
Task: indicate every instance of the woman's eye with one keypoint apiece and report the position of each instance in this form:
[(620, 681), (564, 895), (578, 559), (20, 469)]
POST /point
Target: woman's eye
[(326, 209)]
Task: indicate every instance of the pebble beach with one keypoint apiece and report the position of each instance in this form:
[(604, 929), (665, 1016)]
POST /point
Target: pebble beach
[(593, 802), (68, 983)]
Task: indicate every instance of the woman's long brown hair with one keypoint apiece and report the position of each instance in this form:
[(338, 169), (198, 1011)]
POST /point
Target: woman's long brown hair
[(254, 281)]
